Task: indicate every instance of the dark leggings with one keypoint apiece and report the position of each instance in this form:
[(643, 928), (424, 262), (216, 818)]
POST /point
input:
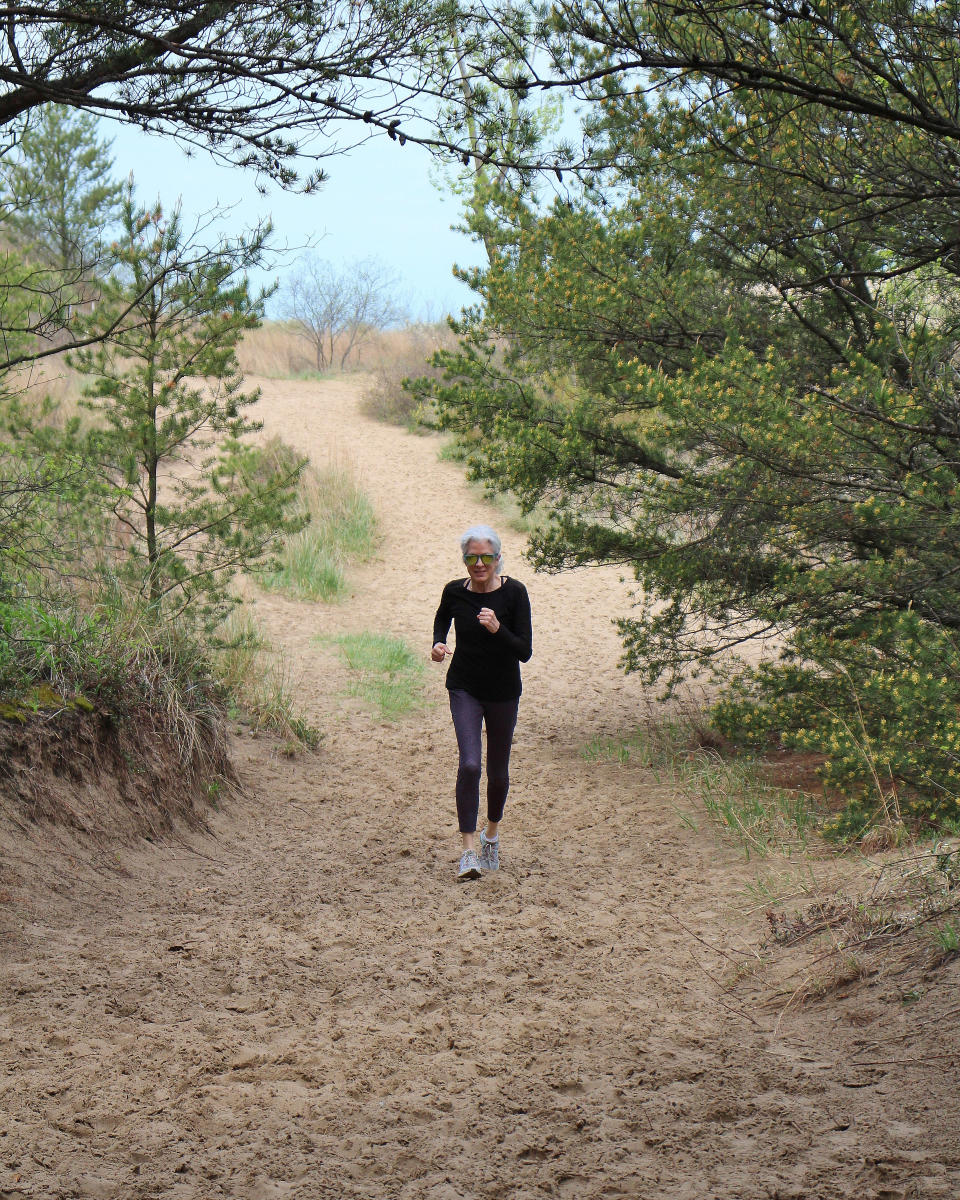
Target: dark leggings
[(469, 715)]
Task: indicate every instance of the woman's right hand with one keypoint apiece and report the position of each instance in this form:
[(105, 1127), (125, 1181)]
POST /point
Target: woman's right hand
[(440, 651)]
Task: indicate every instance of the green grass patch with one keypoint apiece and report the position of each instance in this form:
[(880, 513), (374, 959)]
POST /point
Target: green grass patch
[(387, 673), (730, 792), (660, 745), (453, 450), (342, 529), (946, 938), (734, 795)]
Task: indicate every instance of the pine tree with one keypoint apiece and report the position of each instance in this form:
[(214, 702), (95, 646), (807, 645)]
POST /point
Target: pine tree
[(730, 365), (178, 470), (58, 192)]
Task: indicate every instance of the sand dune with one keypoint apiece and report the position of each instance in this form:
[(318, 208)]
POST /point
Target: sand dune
[(307, 1005)]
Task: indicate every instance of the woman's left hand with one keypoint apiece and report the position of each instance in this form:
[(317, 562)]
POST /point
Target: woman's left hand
[(488, 619)]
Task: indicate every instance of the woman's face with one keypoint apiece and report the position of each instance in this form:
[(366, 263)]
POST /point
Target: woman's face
[(479, 573)]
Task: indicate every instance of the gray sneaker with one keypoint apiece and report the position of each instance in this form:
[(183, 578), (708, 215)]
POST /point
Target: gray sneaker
[(469, 866), (489, 855)]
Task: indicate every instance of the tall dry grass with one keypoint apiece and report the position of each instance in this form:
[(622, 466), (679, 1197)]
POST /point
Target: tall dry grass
[(49, 389), (342, 529), (277, 351), (403, 354), (259, 681)]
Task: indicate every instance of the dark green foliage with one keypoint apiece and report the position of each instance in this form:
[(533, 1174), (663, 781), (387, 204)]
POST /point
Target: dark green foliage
[(258, 85), (729, 364)]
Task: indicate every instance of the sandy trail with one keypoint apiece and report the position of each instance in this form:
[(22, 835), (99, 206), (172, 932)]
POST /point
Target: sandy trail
[(306, 1004)]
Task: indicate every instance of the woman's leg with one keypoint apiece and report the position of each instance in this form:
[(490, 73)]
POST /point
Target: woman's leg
[(501, 720), (467, 716)]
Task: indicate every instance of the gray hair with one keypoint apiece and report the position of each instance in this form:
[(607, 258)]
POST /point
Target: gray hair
[(483, 533)]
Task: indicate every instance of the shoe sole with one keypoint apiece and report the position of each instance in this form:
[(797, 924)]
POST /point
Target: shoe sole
[(473, 873)]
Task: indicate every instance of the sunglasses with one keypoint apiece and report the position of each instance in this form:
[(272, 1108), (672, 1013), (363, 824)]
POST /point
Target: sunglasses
[(472, 559)]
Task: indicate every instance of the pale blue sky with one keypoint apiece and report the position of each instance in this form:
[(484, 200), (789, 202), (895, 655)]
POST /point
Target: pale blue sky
[(379, 203)]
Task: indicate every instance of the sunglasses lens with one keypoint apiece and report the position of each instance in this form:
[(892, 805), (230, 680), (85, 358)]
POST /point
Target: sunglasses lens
[(472, 559)]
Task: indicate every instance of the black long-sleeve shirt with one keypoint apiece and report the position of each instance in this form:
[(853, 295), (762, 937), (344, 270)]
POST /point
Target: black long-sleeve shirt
[(485, 664)]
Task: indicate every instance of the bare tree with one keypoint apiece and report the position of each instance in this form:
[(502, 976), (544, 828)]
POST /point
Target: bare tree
[(336, 309)]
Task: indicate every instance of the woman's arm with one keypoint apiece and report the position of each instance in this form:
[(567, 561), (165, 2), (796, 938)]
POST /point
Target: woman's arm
[(520, 637), (441, 621)]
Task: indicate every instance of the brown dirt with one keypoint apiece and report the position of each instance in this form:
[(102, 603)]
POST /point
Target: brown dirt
[(304, 1003)]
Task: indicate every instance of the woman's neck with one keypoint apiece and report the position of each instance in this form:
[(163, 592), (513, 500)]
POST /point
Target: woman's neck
[(495, 582)]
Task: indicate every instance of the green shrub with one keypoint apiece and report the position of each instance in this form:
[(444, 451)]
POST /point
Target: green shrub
[(55, 653), (881, 704)]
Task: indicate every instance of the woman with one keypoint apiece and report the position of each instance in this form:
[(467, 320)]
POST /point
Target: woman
[(491, 616)]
